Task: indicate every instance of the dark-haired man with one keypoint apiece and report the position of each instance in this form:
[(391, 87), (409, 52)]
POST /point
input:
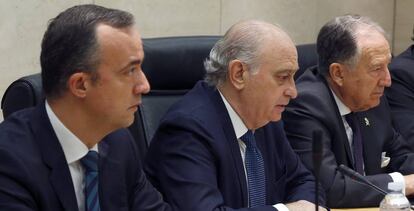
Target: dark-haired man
[(70, 152), (342, 98)]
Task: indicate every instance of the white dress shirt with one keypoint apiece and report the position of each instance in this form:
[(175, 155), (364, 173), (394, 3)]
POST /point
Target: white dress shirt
[(344, 110), (74, 149), (240, 129)]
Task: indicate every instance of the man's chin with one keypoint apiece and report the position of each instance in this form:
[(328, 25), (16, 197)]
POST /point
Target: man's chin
[(373, 104), (276, 117)]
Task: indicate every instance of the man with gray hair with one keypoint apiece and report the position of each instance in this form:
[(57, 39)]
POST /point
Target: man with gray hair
[(222, 147), (342, 98)]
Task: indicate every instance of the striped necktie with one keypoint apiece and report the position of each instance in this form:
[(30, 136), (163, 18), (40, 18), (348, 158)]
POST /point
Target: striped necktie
[(90, 164), (255, 171)]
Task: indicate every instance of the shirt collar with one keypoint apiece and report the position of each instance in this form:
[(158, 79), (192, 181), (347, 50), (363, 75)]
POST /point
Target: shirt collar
[(73, 148), (239, 127), (343, 109)]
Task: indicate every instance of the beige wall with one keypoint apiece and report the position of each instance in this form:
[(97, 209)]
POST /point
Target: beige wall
[(404, 23), (22, 23)]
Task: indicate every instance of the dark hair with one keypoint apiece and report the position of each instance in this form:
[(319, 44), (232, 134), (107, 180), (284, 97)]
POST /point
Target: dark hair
[(70, 45), (336, 40)]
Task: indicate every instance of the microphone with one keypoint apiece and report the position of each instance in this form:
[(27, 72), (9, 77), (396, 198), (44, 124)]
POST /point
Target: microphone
[(359, 178), (317, 157)]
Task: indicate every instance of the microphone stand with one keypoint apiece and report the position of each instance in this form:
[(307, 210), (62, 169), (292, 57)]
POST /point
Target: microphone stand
[(317, 157), (361, 179)]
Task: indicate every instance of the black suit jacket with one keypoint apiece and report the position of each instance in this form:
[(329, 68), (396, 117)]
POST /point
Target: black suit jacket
[(401, 94), (34, 174), (194, 158), (315, 109)]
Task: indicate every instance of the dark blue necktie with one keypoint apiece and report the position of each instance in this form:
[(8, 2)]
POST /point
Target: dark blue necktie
[(90, 164), (357, 147), (255, 171)]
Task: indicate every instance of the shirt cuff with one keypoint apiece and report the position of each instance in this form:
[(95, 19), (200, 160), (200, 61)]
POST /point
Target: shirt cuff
[(281, 207), (398, 177)]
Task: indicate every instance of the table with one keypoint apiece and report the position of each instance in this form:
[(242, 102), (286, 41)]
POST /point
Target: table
[(357, 209)]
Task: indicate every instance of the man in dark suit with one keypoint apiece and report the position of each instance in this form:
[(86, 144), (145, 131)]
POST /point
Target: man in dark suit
[(70, 153), (216, 149), (342, 98), (401, 94)]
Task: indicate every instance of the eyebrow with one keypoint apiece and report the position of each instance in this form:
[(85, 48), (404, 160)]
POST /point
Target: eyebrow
[(286, 71), (131, 63)]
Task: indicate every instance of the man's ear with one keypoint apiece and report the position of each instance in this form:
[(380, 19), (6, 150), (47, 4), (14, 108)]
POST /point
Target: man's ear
[(78, 83), (238, 74), (337, 73)]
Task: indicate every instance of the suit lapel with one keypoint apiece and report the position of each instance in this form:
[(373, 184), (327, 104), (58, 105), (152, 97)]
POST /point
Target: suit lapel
[(53, 156), (372, 160), (342, 137), (231, 141)]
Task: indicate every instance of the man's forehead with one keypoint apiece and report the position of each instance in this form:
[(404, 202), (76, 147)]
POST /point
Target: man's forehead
[(118, 37), (376, 53), (107, 31)]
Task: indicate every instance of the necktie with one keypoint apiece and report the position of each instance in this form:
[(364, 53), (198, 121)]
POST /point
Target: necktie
[(255, 171), (90, 164), (356, 142)]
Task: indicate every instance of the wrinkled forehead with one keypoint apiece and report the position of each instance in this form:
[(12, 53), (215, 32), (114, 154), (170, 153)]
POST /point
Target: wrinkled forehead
[(373, 48), (281, 50)]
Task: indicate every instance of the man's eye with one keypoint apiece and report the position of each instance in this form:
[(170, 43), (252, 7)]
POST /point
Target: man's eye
[(283, 77), (131, 70)]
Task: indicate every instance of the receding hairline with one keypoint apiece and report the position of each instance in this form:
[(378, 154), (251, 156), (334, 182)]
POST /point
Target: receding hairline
[(363, 35), (258, 26), (269, 32)]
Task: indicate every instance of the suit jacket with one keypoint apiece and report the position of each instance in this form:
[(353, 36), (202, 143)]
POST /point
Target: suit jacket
[(194, 158), (401, 94), (315, 110), (34, 174)]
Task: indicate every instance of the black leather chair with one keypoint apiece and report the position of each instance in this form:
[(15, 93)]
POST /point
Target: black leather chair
[(172, 65), (23, 93), (307, 57)]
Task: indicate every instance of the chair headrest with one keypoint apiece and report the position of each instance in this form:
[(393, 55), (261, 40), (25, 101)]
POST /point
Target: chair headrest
[(176, 63), (307, 57), (22, 93)]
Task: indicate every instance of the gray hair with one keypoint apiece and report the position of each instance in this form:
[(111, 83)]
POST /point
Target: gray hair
[(337, 40), (243, 41)]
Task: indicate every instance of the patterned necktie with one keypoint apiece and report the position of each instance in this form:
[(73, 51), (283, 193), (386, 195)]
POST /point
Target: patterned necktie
[(357, 147), (90, 164), (255, 171)]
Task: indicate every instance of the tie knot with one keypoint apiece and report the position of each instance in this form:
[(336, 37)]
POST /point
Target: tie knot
[(350, 118), (90, 161), (248, 139)]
